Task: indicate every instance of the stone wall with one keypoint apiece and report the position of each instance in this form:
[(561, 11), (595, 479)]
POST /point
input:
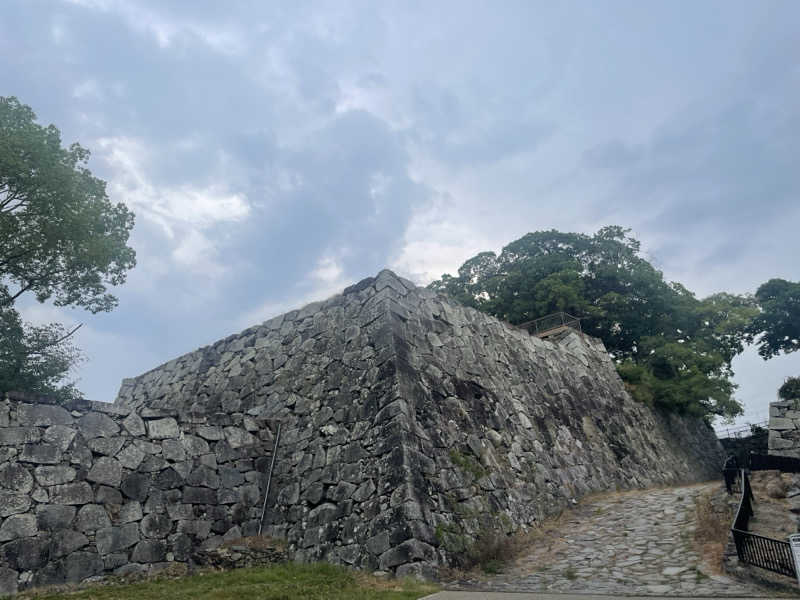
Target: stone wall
[(90, 487), (784, 428), (409, 427)]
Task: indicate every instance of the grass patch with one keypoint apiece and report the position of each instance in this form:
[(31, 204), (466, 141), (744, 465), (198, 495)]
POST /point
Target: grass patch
[(714, 517), (320, 581), (467, 463)]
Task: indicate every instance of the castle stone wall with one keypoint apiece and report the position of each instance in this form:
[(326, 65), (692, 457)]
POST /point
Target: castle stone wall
[(410, 427), (784, 428)]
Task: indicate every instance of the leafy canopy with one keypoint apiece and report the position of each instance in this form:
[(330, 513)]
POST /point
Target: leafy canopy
[(60, 238), (776, 328), (672, 350)]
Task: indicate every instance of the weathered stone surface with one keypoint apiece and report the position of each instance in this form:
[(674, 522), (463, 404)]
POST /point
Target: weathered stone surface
[(16, 436), (91, 518), (130, 457), (15, 477), (38, 415), (199, 495), (107, 471), (173, 450), (54, 475), (156, 525), (135, 486), (114, 539), (41, 453), (71, 493), (94, 424), (66, 541), (107, 495), (163, 428), (26, 554), (52, 517), (17, 526), (108, 446), (8, 581), (149, 551), (82, 565), (194, 446), (134, 425)]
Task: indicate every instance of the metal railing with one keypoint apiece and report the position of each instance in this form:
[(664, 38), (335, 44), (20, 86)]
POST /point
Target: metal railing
[(551, 324), (743, 431), (766, 553), (768, 462)]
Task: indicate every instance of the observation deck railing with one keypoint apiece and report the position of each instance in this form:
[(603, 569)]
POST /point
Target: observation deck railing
[(552, 324)]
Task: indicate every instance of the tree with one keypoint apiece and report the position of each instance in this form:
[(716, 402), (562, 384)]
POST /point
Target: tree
[(672, 350), (60, 238), (790, 390), (776, 328)]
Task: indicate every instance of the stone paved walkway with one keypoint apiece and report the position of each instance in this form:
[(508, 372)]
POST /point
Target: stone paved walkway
[(637, 543)]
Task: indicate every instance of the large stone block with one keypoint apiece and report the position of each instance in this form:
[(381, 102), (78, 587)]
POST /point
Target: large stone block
[(91, 518), (106, 471), (66, 541), (71, 493), (16, 436), (160, 429), (51, 517), (41, 453), (12, 503), (94, 424), (38, 415), (114, 539), (15, 477), (17, 526), (149, 551), (54, 475)]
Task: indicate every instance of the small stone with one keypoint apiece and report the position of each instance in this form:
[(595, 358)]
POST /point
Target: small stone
[(91, 518), (173, 450)]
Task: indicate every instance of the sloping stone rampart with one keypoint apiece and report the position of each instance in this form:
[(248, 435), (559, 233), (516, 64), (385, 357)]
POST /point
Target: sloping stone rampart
[(410, 425)]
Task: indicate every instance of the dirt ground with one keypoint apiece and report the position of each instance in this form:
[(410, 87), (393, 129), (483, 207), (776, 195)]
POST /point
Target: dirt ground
[(771, 491)]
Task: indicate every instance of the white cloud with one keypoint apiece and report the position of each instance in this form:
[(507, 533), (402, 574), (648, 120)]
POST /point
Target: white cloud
[(187, 214)]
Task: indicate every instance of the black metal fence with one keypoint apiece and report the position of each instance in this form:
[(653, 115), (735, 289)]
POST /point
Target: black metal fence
[(766, 462), (767, 553)]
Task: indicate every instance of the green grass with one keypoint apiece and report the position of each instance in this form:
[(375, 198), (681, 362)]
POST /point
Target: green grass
[(319, 581)]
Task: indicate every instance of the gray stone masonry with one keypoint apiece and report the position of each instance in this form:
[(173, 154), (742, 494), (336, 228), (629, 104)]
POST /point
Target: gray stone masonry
[(410, 425), (784, 428)]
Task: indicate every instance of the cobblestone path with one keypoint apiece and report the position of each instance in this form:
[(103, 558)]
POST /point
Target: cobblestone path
[(635, 543)]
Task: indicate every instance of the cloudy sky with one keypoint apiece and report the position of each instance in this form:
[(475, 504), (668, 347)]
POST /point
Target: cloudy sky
[(275, 152)]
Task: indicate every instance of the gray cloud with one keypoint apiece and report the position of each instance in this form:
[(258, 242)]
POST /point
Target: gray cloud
[(275, 151)]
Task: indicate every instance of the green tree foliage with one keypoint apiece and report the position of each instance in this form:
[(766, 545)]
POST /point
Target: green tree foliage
[(790, 390), (61, 239), (776, 329), (672, 349)]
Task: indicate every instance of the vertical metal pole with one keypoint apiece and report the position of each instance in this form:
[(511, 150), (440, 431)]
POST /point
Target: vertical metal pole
[(269, 478)]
